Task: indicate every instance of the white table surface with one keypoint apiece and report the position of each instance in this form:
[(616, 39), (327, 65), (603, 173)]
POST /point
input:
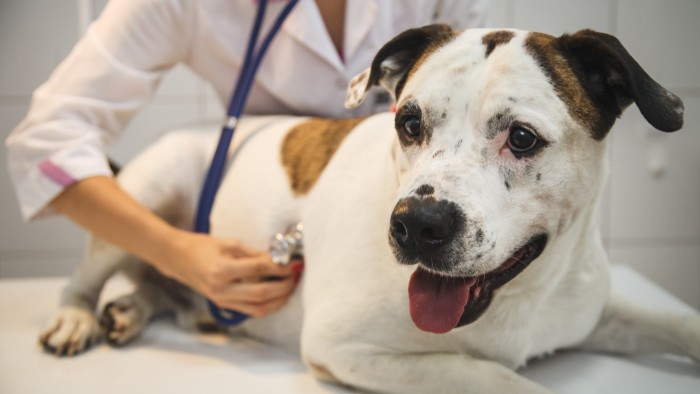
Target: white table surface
[(168, 360)]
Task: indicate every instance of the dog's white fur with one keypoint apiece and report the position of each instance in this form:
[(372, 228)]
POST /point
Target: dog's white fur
[(353, 300)]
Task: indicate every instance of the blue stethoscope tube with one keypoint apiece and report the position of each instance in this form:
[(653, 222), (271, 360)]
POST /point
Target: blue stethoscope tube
[(251, 63)]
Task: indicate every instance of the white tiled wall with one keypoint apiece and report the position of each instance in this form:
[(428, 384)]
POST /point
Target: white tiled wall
[(651, 214), (27, 56)]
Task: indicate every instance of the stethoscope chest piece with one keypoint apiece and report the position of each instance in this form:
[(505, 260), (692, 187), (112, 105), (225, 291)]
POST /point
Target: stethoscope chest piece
[(284, 247)]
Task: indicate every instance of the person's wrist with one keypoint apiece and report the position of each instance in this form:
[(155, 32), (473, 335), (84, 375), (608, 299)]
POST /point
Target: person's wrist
[(169, 247)]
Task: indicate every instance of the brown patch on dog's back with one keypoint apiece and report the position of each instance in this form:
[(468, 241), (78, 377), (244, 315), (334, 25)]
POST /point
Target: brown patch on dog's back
[(495, 38), (543, 48), (309, 146)]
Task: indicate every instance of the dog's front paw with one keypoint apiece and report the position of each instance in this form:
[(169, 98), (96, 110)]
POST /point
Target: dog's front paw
[(122, 321), (71, 331)]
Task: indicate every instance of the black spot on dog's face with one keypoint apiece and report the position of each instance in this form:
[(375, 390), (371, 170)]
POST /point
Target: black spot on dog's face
[(479, 236), (498, 122), (484, 153), (425, 190)]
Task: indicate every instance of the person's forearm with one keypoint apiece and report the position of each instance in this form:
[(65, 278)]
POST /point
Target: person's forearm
[(222, 270), (101, 206)]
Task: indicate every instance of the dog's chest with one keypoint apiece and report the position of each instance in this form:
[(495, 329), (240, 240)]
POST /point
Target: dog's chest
[(536, 324)]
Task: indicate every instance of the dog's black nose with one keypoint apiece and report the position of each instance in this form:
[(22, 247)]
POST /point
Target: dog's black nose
[(419, 227)]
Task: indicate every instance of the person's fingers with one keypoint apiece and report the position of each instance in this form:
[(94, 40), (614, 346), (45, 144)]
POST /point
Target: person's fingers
[(258, 293), (236, 249), (260, 266), (296, 267)]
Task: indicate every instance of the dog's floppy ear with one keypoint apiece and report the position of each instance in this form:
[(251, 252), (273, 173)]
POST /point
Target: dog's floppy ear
[(395, 59), (613, 79)]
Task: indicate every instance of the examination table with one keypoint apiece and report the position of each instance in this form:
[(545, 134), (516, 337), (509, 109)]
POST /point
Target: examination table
[(167, 360)]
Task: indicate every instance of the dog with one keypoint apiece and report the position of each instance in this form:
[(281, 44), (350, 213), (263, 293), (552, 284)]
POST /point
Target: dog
[(453, 239)]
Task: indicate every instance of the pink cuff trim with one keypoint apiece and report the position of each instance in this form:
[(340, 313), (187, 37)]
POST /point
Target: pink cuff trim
[(56, 173)]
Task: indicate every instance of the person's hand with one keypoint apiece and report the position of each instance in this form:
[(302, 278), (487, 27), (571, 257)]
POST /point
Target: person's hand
[(229, 274)]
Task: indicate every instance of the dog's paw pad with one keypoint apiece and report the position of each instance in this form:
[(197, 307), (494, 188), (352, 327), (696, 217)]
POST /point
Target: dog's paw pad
[(71, 331), (121, 321)]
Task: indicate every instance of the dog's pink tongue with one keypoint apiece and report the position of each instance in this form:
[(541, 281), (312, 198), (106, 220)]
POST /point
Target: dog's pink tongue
[(437, 302)]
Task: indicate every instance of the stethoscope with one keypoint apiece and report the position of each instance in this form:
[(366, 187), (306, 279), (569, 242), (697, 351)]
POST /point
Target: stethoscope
[(251, 63)]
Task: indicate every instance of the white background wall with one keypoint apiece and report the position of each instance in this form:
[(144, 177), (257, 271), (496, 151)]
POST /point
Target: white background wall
[(651, 212)]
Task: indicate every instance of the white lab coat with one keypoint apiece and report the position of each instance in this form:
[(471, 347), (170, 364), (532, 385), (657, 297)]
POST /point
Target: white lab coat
[(116, 67)]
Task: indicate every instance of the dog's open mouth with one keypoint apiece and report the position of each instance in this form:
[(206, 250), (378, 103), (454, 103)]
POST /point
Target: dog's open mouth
[(440, 303)]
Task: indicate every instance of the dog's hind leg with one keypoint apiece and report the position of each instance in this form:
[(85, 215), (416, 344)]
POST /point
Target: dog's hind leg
[(74, 327), (629, 328), (124, 318)]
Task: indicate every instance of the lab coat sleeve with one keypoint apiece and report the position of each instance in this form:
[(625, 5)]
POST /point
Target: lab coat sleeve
[(91, 95), (461, 14)]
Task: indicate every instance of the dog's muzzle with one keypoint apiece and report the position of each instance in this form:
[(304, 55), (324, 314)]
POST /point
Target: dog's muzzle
[(423, 230)]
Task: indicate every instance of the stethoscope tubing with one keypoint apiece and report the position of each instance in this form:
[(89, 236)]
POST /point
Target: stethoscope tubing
[(239, 97)]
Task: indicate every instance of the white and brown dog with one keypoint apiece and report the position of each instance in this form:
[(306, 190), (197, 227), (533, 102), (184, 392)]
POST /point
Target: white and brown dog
[(453, 240)]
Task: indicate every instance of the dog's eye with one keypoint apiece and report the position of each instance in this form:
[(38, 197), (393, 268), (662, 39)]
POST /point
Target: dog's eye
[(521, 140), (411, 126)]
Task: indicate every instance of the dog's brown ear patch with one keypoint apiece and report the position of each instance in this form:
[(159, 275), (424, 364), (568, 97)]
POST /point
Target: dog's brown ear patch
[(495, 38), (441, 36), (544, 49), (595, 76), (309, 146)]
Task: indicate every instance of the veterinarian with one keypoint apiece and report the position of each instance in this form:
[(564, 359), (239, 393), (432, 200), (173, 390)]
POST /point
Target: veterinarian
[(57, 156)]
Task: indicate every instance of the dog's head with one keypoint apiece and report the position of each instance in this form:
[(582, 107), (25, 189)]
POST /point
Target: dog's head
[(501, 136)]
